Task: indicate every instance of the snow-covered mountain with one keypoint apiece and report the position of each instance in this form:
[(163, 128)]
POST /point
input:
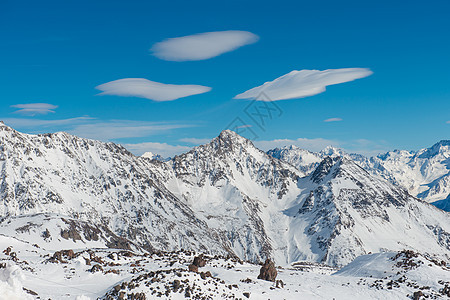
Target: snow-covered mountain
[(100, 183), (238, 190), (151, 155), (424, 173), (265, 207), (304, 160), (225, 197), (344, 212), (307, 161)]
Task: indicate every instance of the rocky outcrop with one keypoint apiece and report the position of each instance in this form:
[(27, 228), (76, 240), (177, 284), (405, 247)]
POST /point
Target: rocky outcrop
[(268, 271), (62, 256), (199, 261)]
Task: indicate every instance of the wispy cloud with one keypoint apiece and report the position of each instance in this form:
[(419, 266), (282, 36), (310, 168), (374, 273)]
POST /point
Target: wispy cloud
[(304, 83), (195, 141), (87, 127), (143, 88), (304, 143), (448, 122), (119, 129), (163, 149), (202, 45), (333, 120), (32, 109), (37, 124), (366, 147), (244, 126)]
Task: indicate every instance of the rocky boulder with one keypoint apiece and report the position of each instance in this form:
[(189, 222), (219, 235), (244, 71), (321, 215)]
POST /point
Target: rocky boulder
[(199, 261), (268, 271)]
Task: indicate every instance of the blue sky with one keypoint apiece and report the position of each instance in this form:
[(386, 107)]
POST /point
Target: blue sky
[(57, 52)]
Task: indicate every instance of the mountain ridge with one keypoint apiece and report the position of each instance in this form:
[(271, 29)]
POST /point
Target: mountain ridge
[(424, 173)]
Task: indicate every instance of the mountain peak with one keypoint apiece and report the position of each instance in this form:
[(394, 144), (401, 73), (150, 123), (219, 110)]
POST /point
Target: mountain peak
[(443, 145), (4, 126), (148, 155), (324, 168), (332, 151), (332, 166), (227, 133), (228, 139), (153, 156), (7, 129), (291, 147)]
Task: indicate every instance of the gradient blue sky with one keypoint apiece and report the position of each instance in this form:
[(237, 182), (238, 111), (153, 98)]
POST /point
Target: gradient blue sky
[(57, 52)]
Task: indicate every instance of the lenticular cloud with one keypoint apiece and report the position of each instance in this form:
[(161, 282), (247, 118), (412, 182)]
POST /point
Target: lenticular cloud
[(143, 88), (333, 120), (304, 83), (202, 45), (35, 108)]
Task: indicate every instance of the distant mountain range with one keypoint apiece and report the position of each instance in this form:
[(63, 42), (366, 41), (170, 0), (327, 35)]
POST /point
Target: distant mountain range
[(424, 173), (226, 197)]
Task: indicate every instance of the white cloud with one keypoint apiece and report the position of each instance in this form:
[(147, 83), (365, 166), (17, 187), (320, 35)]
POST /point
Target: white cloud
[(202, 45), (244, 126), (333, 120), (195, 141), (32, 109), (304, 143), (366, 147), (163, 149), (304, 83), (143, 88), (87, 127), (119, 129), (19, 123)]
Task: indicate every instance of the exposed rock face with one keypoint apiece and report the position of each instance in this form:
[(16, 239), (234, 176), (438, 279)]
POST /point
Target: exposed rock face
[(96, 268), (417, 295), (60, 256), (268, 271)]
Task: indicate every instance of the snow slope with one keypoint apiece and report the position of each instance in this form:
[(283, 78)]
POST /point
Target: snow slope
[(114, 273), (399, 268), (54, 232)]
